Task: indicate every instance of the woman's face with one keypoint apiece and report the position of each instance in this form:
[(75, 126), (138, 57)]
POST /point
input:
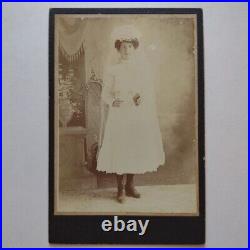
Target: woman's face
[(126, 50)]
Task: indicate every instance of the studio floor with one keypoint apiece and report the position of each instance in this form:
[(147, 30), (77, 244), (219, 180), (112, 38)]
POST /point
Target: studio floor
[(177, 199)]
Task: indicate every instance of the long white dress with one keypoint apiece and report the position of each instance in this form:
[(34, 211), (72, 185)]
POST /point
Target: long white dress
[(132, 142)]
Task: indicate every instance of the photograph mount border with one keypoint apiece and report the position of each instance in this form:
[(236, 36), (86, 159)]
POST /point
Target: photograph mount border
[(163, 229)]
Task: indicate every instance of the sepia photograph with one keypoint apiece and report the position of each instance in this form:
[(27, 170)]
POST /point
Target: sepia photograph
[(126, 114)]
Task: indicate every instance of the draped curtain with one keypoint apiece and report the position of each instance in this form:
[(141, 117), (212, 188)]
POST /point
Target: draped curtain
[(71, 38)]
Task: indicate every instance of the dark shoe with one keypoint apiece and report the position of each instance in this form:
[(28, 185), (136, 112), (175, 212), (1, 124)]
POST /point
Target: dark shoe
[(120, 195), (130, 188), (120, 187), (132, 192)]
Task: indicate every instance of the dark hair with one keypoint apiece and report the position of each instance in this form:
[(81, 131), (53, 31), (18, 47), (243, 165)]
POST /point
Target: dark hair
[(134, 41)]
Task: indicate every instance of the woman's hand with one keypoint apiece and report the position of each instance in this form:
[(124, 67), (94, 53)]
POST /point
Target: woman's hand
[(137, 99), (117, 102)]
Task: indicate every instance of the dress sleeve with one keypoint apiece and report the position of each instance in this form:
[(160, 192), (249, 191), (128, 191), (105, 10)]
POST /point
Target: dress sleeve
[(108, 87)]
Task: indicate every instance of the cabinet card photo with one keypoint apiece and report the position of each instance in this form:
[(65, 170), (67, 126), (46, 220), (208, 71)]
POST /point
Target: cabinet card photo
[(126, 125)]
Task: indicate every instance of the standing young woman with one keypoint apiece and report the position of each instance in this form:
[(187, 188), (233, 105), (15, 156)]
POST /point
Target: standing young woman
[(132, 142)]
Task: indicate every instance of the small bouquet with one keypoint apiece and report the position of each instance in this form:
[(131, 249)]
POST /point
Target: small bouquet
[(137, 99)]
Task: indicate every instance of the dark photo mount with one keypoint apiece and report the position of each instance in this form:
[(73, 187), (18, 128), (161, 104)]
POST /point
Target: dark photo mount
[(86, 229)]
